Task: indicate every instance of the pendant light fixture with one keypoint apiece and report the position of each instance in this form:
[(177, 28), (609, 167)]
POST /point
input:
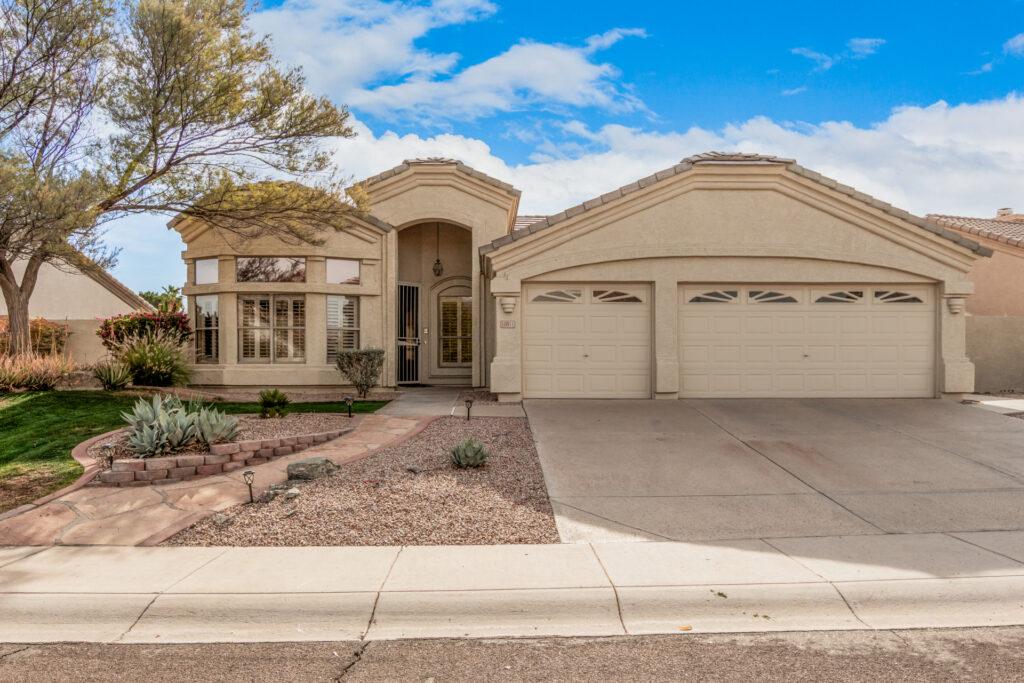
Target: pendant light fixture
[(438, 266)]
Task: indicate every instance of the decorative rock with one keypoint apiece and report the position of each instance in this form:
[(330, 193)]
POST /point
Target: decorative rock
[(220, 519), (292, 493), (311, 468)]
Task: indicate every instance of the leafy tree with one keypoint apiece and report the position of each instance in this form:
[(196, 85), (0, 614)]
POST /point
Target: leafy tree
[(167, 300), (160, 106)]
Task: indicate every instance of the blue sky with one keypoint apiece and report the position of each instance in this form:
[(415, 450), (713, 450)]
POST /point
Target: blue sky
[(914, 102)]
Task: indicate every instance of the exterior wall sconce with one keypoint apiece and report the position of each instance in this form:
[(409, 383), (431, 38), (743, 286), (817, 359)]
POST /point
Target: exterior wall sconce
[(956, 304), (508, 304), (438, 266)]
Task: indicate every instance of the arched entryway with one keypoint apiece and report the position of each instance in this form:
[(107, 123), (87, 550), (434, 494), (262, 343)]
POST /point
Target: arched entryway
[(434, 305)]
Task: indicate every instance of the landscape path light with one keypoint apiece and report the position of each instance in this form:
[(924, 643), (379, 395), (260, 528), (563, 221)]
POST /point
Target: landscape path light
[(469, 407), (248, 476)]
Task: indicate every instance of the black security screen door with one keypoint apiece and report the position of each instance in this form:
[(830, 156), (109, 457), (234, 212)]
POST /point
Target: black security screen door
[(408, 334)]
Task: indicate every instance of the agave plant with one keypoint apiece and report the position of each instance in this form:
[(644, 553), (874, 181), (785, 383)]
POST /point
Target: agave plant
[(469, 453), (159, 425), (213, 426), (146, 441)]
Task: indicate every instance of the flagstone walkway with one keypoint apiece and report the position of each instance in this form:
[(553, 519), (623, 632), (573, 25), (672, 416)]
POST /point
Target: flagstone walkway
[(147, 515)]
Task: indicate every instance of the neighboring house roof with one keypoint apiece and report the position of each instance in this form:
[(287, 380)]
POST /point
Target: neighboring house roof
[(712, 158), (441, 161), (1008, 229)]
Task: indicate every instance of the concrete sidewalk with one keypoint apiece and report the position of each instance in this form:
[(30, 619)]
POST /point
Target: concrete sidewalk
[(167, 595)]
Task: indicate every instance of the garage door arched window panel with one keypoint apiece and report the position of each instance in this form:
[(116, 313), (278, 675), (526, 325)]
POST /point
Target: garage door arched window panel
[(717, 296), (560, 296), (616, 296), (885, 296), (770, 296), (456, 347), (846, 296)]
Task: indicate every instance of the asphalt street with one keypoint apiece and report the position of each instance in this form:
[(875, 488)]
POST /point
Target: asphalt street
[(991, 654)]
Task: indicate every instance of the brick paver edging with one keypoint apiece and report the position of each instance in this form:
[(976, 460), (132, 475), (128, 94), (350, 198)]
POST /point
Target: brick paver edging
[(223, 457)]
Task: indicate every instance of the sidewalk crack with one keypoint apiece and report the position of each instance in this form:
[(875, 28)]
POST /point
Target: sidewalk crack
[(356, 657), (615, 590), (376, 599)]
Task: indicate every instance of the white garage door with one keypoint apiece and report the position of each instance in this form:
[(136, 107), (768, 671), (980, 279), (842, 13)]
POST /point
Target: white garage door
[(824, 340), (587, 341)]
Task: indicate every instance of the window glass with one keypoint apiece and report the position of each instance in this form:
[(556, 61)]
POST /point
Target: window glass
[(342, 325), (342, 271), (207, 328), (207, 271), (272, 329), (456, 330), (270, 269)]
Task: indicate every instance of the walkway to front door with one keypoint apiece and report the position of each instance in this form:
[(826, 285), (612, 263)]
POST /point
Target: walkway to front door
[(705, 470)]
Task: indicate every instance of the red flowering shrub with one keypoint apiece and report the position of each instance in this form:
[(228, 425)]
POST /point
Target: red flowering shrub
[(115, 330)]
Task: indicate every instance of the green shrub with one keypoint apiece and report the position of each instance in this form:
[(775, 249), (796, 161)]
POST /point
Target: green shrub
[(33, 372), (469, 453), (155, 359), (112, 374), (160, 425), (47, 338), (361, 368), (273, 403), (174, 324), (214, 426)]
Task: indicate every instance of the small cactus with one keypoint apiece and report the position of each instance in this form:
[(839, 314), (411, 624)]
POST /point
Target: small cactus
[(213, 426), (469, 453)]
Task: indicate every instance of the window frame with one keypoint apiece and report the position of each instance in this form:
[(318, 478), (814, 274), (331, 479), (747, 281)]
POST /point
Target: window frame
[(359, 270), (272, 329), (465, 304), (201, 330), (240, 259), (216, 271), (341, 328)]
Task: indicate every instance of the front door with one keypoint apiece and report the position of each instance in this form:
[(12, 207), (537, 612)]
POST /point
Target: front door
[(409, 341)]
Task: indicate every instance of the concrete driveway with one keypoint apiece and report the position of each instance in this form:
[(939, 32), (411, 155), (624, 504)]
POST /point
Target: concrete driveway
[(737, 469)]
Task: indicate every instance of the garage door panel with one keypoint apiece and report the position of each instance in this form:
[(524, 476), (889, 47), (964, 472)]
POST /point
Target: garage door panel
[(593, 342), (839, 340)]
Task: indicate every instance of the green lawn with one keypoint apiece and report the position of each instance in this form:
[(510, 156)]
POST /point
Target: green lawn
[(38, 431)]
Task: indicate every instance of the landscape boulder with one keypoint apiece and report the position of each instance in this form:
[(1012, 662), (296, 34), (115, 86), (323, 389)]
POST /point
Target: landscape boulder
[(311, 468)]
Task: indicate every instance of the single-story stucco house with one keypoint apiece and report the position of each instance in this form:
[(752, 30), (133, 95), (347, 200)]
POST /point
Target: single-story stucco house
[(727, 275), (995, 312), (79, 299)]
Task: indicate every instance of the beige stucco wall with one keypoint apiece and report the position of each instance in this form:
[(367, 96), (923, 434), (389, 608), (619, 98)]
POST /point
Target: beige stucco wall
[(996, 346), (740, 224), (474, 212), (359, 242), (76, 300), (995, 324)]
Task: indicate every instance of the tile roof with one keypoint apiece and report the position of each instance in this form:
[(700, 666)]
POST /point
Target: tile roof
[(523, 222), (441, 161), (1007, 229), (711, 158)]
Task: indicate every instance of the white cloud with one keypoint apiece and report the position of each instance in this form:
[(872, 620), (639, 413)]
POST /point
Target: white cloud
[(1015, 46), (864, 47), (856, 48), (343, 44), (941, 158), (528, 74), (789, 92), (824, 62)]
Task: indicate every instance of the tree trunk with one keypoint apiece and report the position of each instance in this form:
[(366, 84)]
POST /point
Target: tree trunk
[(16, 299)]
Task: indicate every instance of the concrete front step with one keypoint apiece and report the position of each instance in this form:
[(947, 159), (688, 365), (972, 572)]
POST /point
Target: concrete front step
[(106, 594)]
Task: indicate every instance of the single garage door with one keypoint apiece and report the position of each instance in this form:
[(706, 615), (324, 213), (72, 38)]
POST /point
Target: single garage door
[(806, 341), (587, 341)]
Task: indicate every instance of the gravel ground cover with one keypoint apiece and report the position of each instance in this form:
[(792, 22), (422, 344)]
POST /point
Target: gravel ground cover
[(478, 396), (251, 428), (407, 494)]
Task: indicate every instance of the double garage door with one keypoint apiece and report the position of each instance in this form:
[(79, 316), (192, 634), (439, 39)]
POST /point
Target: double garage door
[(594, 341)]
